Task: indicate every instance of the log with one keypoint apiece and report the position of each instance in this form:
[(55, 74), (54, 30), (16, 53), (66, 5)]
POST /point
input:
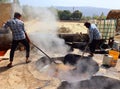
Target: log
[(74, 37)]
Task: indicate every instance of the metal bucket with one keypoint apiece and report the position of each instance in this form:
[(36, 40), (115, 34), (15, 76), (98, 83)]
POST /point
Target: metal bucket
[(116, 45), (107, 59)]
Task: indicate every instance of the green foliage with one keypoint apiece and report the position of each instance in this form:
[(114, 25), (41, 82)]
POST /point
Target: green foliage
[(102, 16), (67, 15), (4, 1), (64, 15), (95, 17), (86, 18), (61, 14), (76, 15)]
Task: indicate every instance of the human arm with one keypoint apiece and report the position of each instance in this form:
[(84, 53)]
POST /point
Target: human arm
[(4, 28), (23, 28), (90, 36), (6, 25), (27, 37)]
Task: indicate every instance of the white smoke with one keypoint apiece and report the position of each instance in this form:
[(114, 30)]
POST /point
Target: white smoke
[(85, 69), (16, 8), (42, 30)]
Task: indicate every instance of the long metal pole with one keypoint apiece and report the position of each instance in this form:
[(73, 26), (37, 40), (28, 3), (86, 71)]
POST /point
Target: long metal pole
[(43, 52)]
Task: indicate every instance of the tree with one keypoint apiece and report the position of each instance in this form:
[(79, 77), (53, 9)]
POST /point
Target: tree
[(88, 17), (76, 15), (85, 18), (4, 1), (102, 16), (64, 15), (60, 14), (95, 17)]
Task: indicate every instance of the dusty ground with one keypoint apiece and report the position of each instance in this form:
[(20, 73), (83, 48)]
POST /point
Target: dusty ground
[(25, 76), (21, 77)]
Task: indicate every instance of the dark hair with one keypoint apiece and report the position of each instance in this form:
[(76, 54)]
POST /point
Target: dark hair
[(16, 15), (87, 24)]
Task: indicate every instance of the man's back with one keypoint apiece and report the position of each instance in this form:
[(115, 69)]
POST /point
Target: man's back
[(17, 28), (94, 32)]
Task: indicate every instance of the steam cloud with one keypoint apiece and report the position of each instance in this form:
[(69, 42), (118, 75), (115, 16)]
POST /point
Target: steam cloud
[(85, 69), (42, 30), (16, 8)]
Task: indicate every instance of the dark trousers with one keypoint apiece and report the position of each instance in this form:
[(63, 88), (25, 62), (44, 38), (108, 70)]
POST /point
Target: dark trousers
[(14, 46), (93, 45)]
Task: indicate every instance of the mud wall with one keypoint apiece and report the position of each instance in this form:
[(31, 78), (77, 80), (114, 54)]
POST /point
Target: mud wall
[(5, 12)]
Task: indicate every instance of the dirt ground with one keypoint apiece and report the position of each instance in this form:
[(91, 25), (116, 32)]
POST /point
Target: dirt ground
[(25, 76)]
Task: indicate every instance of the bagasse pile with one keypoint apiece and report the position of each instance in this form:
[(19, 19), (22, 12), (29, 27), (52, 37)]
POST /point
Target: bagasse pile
[(5, 12)]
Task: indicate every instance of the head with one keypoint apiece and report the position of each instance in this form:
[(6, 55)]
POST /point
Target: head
[(87, 24), (17, 15)]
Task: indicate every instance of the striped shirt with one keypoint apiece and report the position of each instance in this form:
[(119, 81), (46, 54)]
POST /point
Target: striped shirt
[(94, 33), (17, 28)]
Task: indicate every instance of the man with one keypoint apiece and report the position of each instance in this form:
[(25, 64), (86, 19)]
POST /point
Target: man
[(94, 36), (19, 35)]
